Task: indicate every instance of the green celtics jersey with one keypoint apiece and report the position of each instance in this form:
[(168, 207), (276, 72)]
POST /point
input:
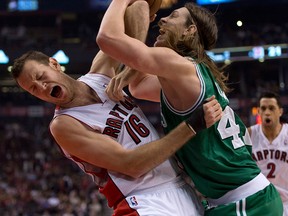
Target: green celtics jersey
[(218, 159)]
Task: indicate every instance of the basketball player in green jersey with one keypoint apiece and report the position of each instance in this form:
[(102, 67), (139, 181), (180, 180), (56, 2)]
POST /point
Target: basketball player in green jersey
[(178, 72)]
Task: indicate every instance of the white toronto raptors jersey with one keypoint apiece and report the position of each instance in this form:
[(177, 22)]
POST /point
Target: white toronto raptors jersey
[(125, 123), (272, 158)]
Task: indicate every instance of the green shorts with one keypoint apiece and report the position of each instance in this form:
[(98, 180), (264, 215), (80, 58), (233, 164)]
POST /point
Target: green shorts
[(266, 202)]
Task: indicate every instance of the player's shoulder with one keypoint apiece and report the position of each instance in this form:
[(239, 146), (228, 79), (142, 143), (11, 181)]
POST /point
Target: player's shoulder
[(285, 127), (63, 124), (253, 128)]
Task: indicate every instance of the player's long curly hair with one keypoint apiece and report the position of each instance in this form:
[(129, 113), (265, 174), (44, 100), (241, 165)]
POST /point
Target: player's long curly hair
[(195, 45)]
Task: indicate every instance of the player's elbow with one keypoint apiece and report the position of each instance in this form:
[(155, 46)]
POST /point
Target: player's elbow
[(134, 166), (134, 172), (102, 40), (108, 42), (135, 92)]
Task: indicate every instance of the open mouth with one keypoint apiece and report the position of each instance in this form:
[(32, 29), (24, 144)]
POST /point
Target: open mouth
[(56, 91), (267, 120), (161, 31)]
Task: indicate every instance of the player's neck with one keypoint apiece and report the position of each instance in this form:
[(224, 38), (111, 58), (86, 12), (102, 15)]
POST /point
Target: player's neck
[(84, 96), (272, 132)]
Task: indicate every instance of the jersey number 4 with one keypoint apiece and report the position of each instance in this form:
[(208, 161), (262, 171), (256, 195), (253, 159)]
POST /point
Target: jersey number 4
[(228, 127)]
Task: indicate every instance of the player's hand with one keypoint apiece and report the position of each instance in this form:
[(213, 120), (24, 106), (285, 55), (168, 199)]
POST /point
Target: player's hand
[(205, 115), (132, 1), (152, 7), (118, 82), (212, 111)]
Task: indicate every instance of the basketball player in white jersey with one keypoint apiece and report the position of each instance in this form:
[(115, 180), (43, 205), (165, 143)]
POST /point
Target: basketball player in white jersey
[(108, 140), (270, 144)]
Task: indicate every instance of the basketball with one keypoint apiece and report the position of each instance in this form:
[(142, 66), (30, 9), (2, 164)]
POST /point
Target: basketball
[(154, 6)]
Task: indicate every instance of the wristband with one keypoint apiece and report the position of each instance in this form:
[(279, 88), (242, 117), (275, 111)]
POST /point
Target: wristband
[(190, 127), (196, 122)]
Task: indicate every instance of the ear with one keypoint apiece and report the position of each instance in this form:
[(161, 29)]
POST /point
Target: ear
[(190, 30), (54, 64)]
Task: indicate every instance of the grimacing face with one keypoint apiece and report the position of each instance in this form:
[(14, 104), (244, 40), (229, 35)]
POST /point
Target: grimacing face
[(46, 82), (174, 23)]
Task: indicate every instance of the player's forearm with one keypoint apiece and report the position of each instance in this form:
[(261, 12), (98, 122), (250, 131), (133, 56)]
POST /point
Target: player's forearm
[(137, 20), (111, 37), (113, 21), (154, 153)]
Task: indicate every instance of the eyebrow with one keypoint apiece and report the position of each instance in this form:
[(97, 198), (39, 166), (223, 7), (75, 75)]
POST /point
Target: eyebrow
[(174, 12)]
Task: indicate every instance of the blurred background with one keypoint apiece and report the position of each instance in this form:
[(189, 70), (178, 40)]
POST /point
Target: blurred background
[(35, 179)]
